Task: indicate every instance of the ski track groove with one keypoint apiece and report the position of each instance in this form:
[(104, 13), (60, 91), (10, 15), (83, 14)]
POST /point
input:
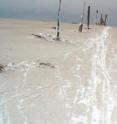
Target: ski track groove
[(99, 47)]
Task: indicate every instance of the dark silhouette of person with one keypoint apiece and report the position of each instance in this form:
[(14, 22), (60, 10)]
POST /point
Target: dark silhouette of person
[(102, 20), (106, 17)]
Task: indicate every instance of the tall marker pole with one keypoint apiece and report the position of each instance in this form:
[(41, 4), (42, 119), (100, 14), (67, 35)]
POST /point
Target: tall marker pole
[(88, 16), (58, 23)]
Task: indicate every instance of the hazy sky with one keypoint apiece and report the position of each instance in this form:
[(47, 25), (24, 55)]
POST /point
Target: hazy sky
[(47, 9)]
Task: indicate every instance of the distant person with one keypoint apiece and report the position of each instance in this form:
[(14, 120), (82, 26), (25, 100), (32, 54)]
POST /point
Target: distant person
[(96, 17), (106, 17), (102, 20), (81, 25)]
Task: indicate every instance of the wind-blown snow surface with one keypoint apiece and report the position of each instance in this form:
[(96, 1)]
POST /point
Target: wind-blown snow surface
[(50, 82)]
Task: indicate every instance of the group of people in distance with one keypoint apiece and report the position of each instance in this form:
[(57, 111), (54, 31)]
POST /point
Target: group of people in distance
[(103, 20)]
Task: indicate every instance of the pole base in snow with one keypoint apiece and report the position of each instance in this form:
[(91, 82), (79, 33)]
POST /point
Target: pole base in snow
[(80, 27), (58, 36), (57, 39)]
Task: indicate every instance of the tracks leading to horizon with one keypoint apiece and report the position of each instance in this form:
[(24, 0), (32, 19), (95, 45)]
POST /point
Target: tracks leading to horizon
[(100, 77), (97, 97)]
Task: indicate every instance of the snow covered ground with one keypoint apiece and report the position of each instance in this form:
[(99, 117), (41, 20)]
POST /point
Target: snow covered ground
[(50, 82)]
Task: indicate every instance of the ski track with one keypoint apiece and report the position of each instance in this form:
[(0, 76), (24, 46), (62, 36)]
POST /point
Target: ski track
[(88, 95), (100, 76), (4, 115)]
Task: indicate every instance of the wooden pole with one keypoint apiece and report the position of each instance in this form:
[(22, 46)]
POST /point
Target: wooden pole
[(88, 16), (58, 23)]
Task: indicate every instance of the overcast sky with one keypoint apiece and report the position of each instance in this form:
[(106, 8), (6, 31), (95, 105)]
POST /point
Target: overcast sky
[(71, 10)]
